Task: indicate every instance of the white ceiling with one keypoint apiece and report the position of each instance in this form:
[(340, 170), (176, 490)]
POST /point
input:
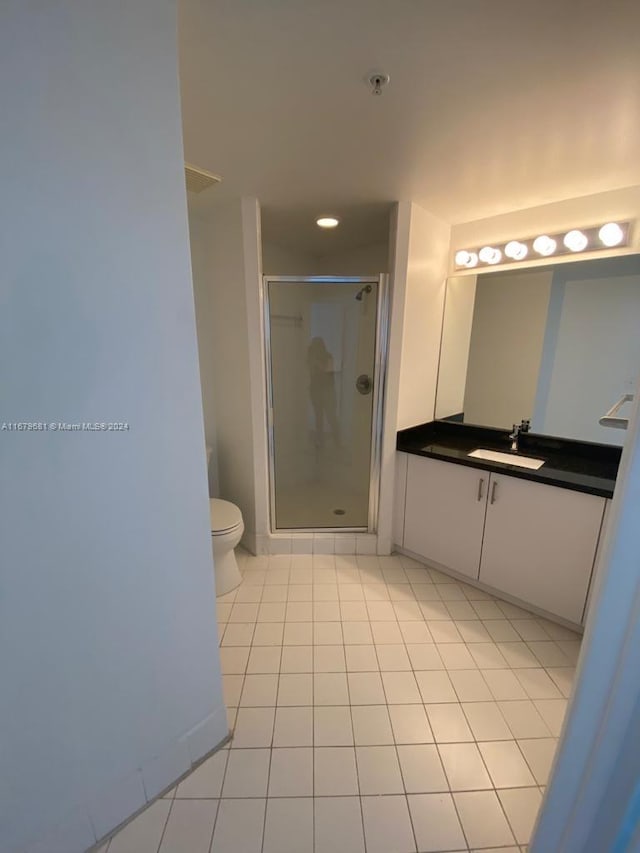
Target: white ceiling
[(493, 105)]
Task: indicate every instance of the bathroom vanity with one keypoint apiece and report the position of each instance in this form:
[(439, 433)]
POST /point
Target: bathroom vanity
[(528, 533), (523, 515)]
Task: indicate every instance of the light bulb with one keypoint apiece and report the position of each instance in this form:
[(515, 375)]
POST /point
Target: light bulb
[(327, 222), (611, 234), (516, 250), (575, 240), (466, 259), (490, 255), (544, 245)]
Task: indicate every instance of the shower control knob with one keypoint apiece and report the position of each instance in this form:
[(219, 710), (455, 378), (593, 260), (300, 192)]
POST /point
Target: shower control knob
[(364, 384)]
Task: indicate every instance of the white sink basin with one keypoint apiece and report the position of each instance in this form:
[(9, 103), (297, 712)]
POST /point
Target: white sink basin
[(507, 458)]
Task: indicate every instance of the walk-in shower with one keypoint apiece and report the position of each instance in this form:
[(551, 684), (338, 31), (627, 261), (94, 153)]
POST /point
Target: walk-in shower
[(326, 345)]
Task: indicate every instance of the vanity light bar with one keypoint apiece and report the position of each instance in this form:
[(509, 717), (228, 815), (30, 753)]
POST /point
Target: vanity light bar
[(572, 242)]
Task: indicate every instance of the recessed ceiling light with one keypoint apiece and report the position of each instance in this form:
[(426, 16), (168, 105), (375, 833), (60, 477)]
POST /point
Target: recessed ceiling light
[(327, 222)]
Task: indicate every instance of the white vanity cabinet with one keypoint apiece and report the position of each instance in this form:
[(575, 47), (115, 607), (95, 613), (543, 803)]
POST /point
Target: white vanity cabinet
[(597, 565), (399, 492), (539, 544), (444, 513), (530, 540)]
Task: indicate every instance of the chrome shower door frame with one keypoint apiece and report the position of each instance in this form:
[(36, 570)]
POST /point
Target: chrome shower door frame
[(379, 378)]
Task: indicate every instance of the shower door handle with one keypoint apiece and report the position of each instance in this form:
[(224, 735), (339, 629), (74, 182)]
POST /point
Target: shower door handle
[(364, 384)]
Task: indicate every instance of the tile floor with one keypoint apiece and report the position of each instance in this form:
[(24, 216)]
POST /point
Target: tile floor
[(377, 705)]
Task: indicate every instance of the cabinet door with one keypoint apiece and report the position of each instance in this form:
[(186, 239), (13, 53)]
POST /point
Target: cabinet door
[(597, 566), (539, 544), (444, 513)]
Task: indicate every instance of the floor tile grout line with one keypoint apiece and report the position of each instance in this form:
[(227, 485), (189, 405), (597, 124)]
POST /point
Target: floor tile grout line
[(395, 745), (313, 764), (215, 821), (508, 667), (266, 802), (355, 759), (164, 828)]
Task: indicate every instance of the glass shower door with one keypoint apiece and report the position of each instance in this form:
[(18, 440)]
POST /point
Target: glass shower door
[(321, 337)]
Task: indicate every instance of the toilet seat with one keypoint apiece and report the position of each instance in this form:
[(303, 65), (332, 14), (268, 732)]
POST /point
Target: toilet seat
[(225, 516)]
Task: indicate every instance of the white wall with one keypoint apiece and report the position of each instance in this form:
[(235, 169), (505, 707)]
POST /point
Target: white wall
[(507, 336), (278, 260), (224, 339), (454, 350), (592, 352), (108, 642), (426, 272), (419, 244), (252, 238), (206, 357), (372, 259)]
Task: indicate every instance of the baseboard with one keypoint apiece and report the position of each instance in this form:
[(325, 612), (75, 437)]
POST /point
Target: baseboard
[(106, 813), (176, 781)]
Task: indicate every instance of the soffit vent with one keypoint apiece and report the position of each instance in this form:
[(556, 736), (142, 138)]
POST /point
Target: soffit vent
[(199, 180)]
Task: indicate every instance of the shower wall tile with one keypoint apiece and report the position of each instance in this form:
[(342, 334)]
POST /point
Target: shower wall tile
[(323, 543), (366, 543), (280, 545), (345, 544), (316, 543), (301, 545)]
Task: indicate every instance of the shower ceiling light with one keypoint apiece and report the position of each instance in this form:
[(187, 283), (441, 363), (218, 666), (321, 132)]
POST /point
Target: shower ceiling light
[(572, 241), (327, 222)]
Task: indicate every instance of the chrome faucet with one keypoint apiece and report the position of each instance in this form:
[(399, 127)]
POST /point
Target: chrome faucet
[(518, 429)]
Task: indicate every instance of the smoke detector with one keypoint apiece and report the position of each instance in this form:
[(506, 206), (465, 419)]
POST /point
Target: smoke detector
[(377, 80), (199, 180)]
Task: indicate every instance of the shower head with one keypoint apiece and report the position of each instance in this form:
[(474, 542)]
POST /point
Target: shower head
[(366, 289)]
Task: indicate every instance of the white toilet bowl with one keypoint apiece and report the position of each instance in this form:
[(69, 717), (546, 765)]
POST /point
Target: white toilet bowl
[(227, 528)]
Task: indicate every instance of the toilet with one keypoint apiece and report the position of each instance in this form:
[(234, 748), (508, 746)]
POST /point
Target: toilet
[(227, 528)]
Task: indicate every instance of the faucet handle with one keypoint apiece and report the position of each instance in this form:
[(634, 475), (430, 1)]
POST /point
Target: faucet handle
[(525, 426)]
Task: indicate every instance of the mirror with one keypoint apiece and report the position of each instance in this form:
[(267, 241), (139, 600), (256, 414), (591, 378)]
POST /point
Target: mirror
[(557, 345)]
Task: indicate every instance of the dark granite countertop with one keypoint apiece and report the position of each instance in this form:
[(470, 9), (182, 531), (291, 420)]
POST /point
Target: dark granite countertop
[(578, 465)]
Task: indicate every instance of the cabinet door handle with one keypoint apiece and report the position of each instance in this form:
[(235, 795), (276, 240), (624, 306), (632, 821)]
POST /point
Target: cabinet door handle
[(480, 488), (493, 491)]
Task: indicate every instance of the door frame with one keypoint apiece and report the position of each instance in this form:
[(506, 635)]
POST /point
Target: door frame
[(379, 379)]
